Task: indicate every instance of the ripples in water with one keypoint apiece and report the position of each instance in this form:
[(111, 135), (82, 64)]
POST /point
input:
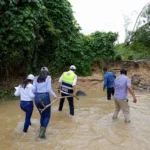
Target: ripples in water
[(92, 127)]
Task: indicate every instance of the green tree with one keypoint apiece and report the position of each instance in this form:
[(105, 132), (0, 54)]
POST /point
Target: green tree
[(19, 32)]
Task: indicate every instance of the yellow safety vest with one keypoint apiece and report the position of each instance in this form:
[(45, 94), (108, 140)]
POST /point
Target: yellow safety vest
[(68, 77)]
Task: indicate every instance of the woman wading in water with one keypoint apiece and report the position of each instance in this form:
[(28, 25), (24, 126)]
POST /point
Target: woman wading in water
[(26, 99)]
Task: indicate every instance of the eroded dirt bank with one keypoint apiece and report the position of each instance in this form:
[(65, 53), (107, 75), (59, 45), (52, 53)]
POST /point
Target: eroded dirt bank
[(138, 71)]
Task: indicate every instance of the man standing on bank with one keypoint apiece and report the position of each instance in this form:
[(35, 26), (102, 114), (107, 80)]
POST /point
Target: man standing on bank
[(109, 78), (122, 86), (67, 87)]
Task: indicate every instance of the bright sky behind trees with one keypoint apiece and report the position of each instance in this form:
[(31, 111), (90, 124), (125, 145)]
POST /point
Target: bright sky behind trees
[(106, 15)]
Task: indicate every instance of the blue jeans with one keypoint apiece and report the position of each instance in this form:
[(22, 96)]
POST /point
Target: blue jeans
[(46, 114), (27, 107)]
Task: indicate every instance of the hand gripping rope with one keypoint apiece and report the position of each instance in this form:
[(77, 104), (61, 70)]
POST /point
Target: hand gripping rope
[(79, 93)]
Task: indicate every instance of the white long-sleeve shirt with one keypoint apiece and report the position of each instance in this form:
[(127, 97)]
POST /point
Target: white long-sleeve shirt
[(26, 94), (44, 87)]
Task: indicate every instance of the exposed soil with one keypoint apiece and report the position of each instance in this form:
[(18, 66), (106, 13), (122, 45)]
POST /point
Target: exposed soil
[(138, 71)]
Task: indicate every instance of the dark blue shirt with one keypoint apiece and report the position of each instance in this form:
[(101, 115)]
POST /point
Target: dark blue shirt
[(109, 78)]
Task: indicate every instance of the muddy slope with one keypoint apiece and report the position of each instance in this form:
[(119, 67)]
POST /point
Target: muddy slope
[(138, 71)]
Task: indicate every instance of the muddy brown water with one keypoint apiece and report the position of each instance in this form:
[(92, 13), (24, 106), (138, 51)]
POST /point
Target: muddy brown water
[(92, 127)]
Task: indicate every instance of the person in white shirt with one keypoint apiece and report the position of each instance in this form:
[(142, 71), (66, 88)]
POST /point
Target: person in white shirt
[(43, 90), (67, 87), (26, 99)]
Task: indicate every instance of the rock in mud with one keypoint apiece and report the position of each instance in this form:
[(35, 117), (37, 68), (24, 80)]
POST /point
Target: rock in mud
[(80, 93)]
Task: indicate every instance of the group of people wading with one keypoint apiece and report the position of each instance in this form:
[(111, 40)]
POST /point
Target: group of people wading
[(39, 88), (119, 87)]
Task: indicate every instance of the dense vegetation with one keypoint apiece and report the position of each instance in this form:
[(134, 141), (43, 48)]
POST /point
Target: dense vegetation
[(36, 33), (137, 42)]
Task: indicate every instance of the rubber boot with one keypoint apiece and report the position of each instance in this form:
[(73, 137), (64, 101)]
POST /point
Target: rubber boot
[(42, 133)]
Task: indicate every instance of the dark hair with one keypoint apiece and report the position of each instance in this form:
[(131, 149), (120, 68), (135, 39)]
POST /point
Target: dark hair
[(123, 71), (73, 70), (42, 77), (25, 83), (105, 69)]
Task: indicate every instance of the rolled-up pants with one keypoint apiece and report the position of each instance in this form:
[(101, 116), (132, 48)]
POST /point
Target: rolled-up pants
[(46, 114), (124, 106)]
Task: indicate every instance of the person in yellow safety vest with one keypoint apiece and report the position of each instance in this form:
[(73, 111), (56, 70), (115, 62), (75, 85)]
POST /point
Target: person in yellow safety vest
[(67, 87)]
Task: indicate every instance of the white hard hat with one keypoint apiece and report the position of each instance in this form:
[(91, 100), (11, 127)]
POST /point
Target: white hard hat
[(44, 69), (73, 67), (30, 77)]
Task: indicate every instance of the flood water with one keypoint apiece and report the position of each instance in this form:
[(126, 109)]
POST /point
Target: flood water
[(92, 127)]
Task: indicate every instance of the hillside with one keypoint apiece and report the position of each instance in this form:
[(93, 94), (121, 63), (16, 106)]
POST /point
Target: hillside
[(138, 71)]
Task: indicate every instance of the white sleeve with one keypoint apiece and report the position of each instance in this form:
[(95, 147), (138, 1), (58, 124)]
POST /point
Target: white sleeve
[(34, 85), (60, 79), (17, 92), (49, 87), (74, 81), (31, 94)]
